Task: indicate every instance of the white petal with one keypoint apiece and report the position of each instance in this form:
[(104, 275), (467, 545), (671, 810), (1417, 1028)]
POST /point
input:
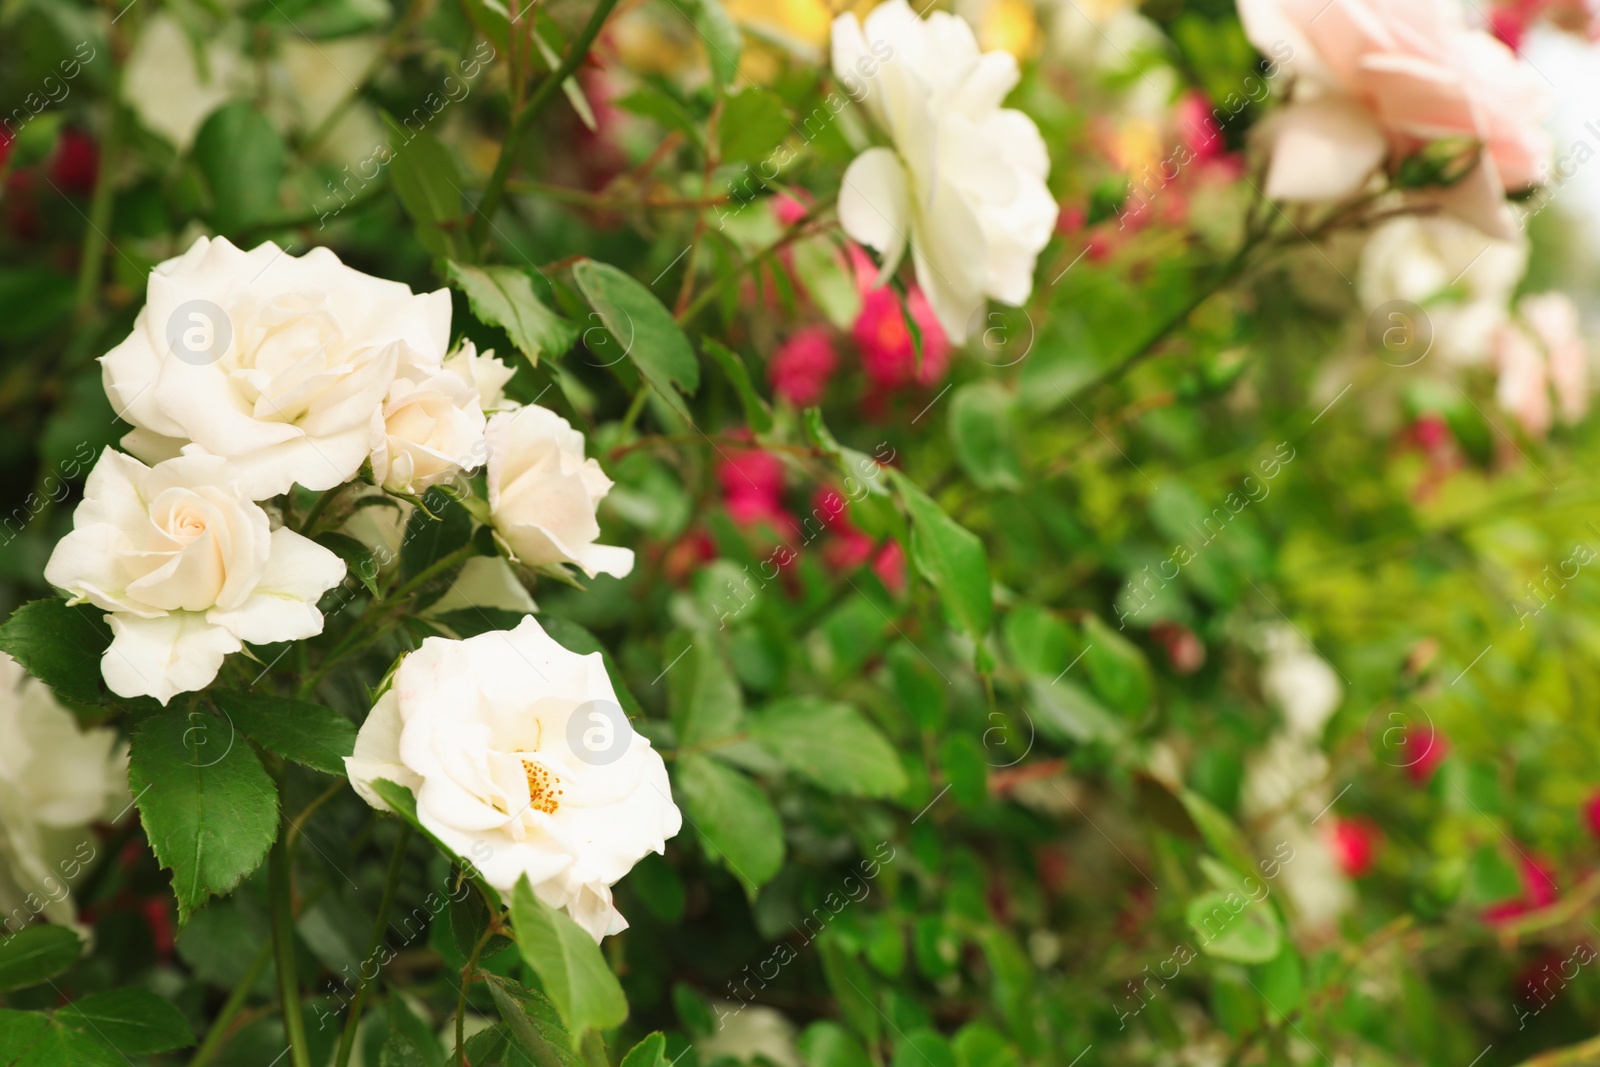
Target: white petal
[(1324, 149), (176, 653), (377, 752), (874, 205)]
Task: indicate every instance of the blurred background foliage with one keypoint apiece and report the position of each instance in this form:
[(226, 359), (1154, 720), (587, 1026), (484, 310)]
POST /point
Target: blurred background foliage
[(1375, 679)]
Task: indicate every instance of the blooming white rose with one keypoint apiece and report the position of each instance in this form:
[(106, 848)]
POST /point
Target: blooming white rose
[(429, 429), (189, 569), (1428, 261), (495, 735), (274, 361), (55, 779), (1380, 78), (486, 373), (543, 493), (965, 178)]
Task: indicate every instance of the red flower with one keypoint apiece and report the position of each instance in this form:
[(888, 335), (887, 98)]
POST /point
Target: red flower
[(1591, 814), (890, 567), (887, 351), (1354, 844), (1426, 748), (800, 369), (752, 489), (76, 163), (1538, 891)]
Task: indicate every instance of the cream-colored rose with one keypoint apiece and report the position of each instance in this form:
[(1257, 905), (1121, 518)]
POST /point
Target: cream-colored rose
[(55, 779), (1375, 79), (543, 493), (522, 763), (486, 373), (1461, 279), (964, 180), (274, 361), (428, 431), (189, 568)]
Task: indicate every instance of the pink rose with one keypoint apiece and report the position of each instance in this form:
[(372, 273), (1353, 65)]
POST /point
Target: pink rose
[(799, 370), (1379, 79)]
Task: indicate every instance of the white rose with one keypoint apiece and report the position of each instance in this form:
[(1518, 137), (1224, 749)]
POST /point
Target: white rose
[(486, 373), (274, 361), (1300, 683), (965, 178), (188, 567), (543, 493), (495, 735), (429, 429), (55, 779), (1462, 280)]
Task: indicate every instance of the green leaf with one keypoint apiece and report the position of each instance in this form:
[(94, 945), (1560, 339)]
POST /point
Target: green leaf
[(429, 186), (830, 744), (243, 160), (532, 1025), (650, 101), (704, 700), (568, 963), (827, 1044), (404, 804), (852, 988), (1280, 981), (358, 558), (470, 622), (1116, 667), (431, 537), (828, 280), (61, 646), (753, 123), (923, 1048), (207, 805), (734, 817), (1039, 642), (645, 331), (28, 1039), (722, 40), (131, 1020), (983, 421), (651, 1052), (399, 1052), (951, 557), (1231, 927), (756, 412), (309, 734), (504, 297), (35, 953)]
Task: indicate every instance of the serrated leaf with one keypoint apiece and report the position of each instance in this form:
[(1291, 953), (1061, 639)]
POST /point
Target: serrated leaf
[(208, 807), (358, 558), (428, 184), (309, 734), (28, 1039), (131, 1020), (831, 744), (756, 413), (504, 297), (640, 326), (569, 964), (651, 1052), (61, 646), (734, 817), (532, 1025), (34, 953)]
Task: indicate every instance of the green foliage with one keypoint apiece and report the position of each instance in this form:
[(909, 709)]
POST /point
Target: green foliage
[(569, 965), (34, 954), (504, 297), (308, 734)]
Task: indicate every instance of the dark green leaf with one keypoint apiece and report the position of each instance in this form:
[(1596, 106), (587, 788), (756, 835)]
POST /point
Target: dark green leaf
[(243, 159), (431, 537), (470, 622), (61, 646), (950, 557), (208, 807), (132, 1020), (504, 297), (734, 817), (532, 1026), (429, 185), (642, 329), (705, 701), (756, 413), (358, 558), (568, 963), (404, 804), (34, 953), (831, 744), (309, 734)]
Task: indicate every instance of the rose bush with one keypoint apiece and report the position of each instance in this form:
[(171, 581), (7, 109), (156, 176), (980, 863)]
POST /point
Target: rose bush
[(720, 533)]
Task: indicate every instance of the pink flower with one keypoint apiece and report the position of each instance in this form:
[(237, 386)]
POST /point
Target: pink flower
[(890, 567), (887, 351), (1198, 127), (752, 489), (1591, 814), (1426, 748), (1354, 844), (1538, 891), (800, 369), (1549, 354), (1380, 79), (1185, 651)]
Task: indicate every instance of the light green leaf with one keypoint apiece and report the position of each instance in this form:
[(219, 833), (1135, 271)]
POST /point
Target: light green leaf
[(651, 1052), (643, 329), (827, 1044), (722, 40), (309, 734), (504, 297), (429, 186), (705, 701), (923, 1048), (983, 420), (207, 805), (568, 963), (734, 817), (1231, 927), (831, 744), (753, 123), (34, 953), (1117, 668), (951, 557)]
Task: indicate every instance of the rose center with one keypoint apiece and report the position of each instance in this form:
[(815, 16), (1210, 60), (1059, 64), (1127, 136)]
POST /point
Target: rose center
[(544, 788)]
